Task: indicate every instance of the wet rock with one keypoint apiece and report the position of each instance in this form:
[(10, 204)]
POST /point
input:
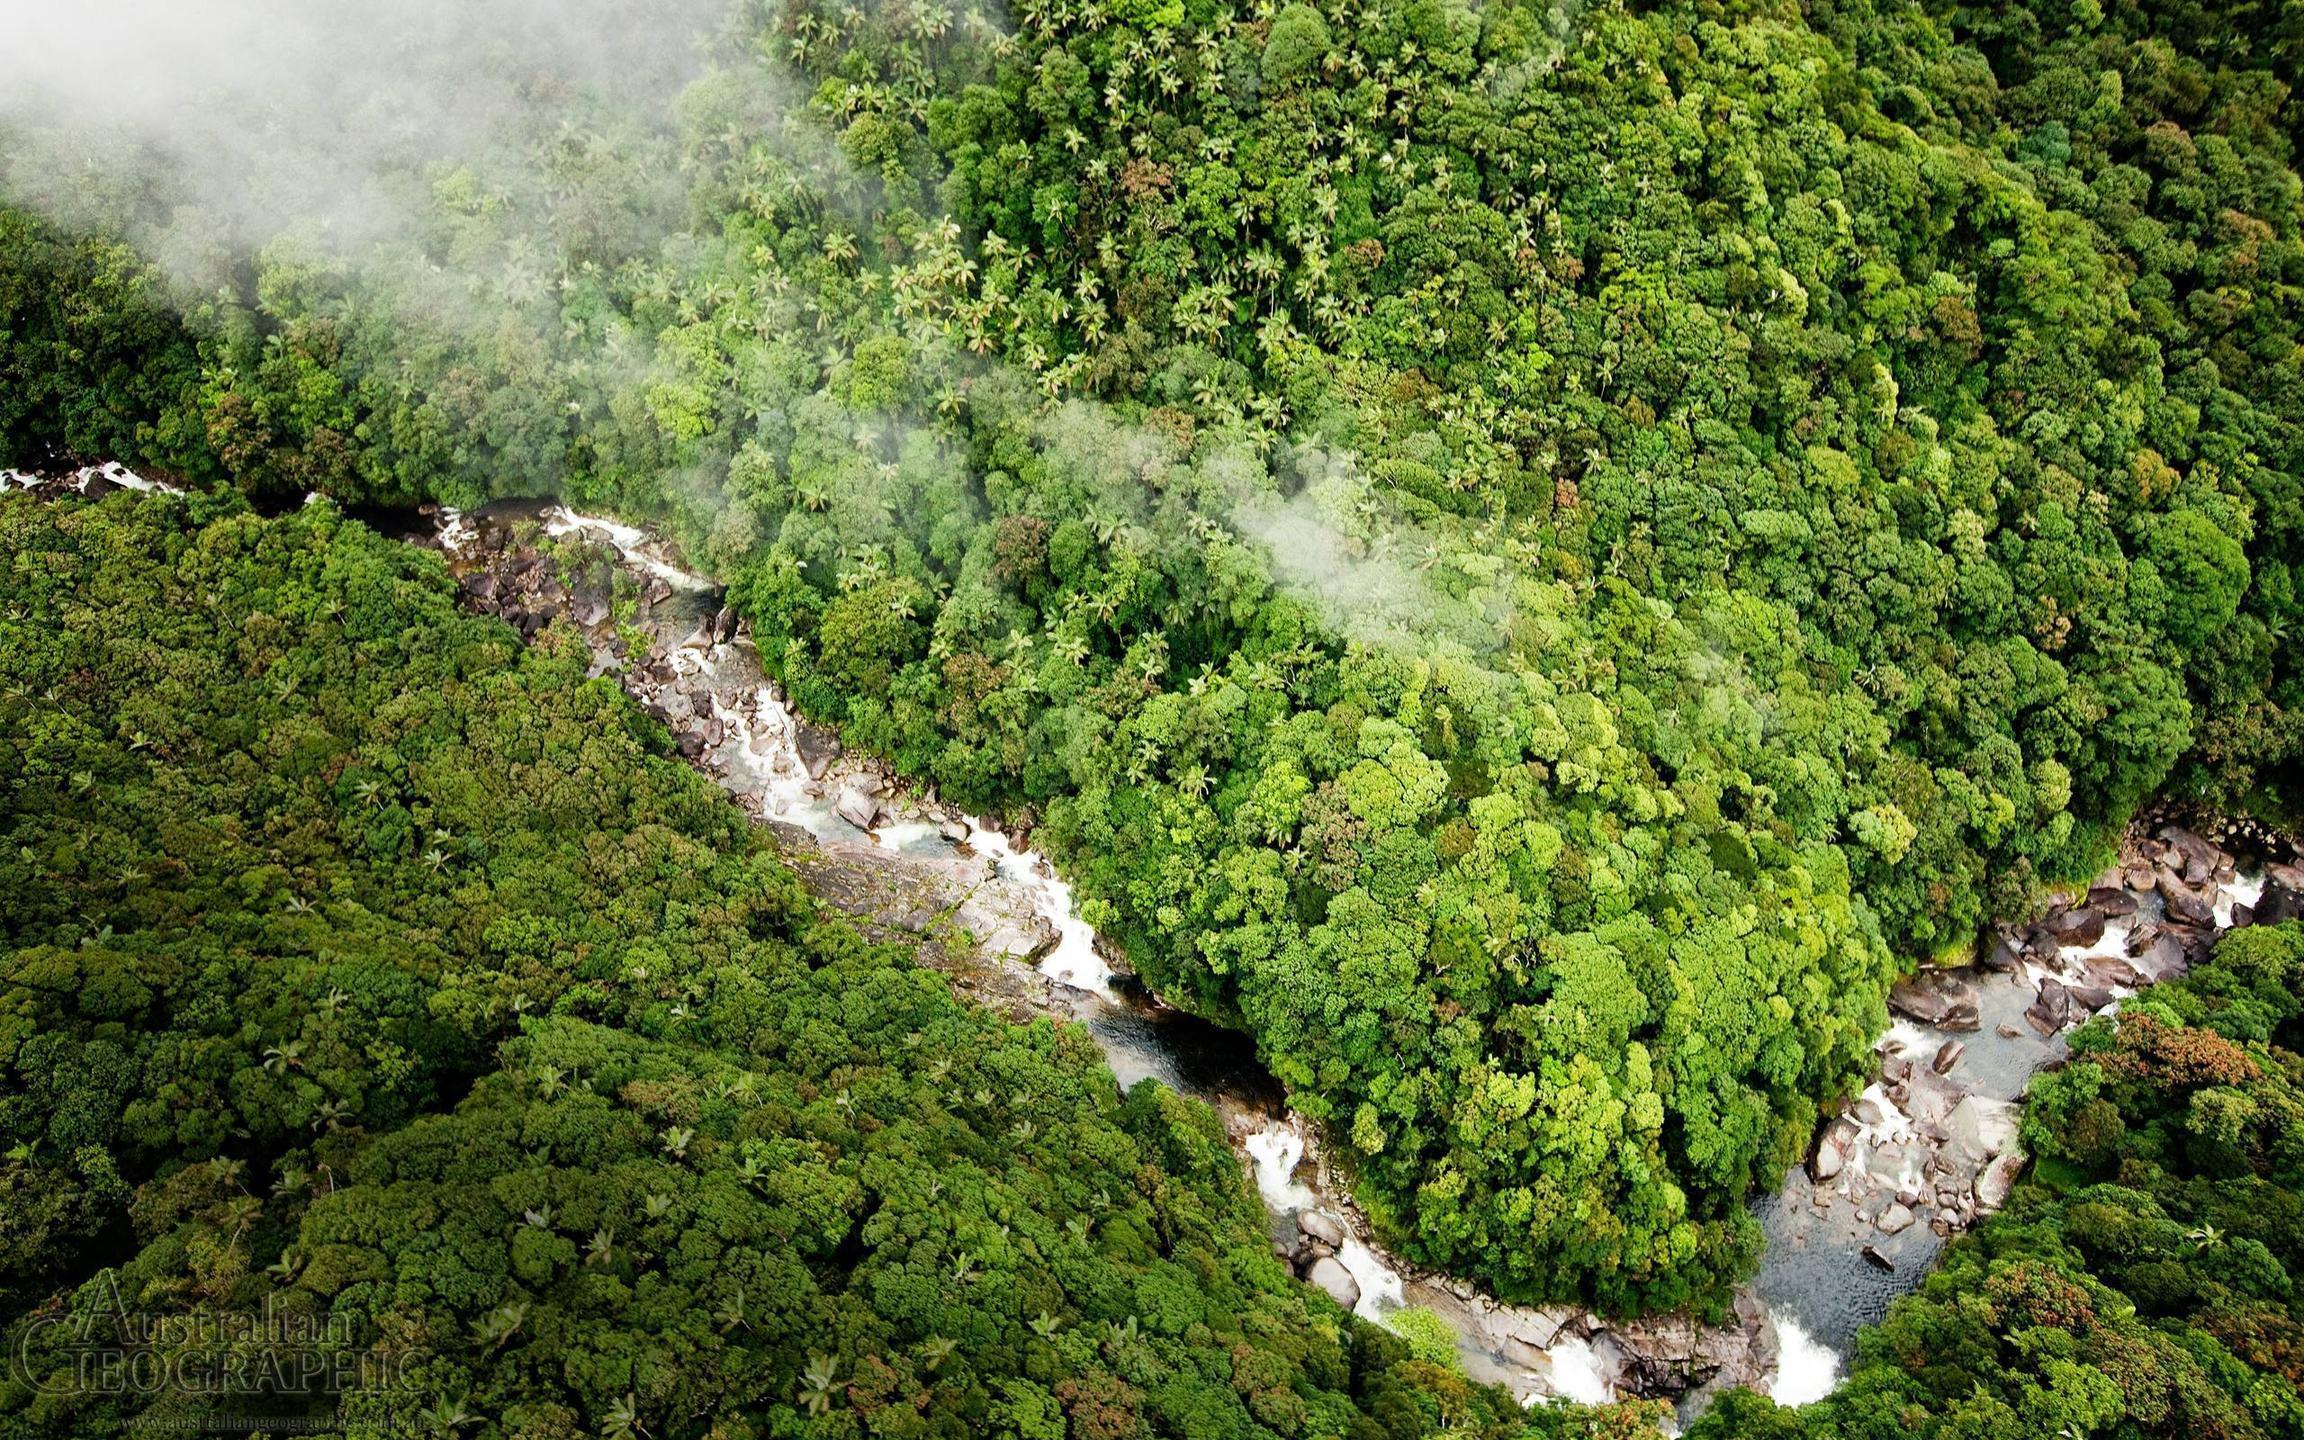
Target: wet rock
[(2185, 905), (1948, 1055), (2087, 1000), (1330, 1275), (2004, 956), (2053, 1010), (724, 624), (1315, 1250), (2243, 916), (1876, 1260), (2111, 902), (856, 805), (1979, 1129), (690, 744), (1520, 1326), (2164, 958), (480, 585), (2084, 926), (1321, 1225), (2137, 876), (817, 747), (2283, 897), (1998, 1180), (588, 598), (701, 638), (1937, 998), (953, 832), (2112, 972), (2007, 1031), (1832, 1148)]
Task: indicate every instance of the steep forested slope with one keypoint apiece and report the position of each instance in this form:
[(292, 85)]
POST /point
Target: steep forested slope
[(1521, 555), (361, 966)]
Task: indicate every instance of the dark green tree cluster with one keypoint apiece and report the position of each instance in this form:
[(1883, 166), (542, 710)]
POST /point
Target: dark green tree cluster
[(2144, 1281), (1519, 554), (364, 966)]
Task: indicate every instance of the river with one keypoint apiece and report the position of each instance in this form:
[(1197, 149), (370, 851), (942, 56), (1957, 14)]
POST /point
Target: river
[(1924, 1151)]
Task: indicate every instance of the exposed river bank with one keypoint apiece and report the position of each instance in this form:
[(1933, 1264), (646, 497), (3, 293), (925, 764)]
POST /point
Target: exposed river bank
[(1925, 1150)]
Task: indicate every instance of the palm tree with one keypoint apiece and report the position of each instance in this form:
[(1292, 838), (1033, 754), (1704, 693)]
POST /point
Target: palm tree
[(817, 1383), (624, 1419), (446, 1416)]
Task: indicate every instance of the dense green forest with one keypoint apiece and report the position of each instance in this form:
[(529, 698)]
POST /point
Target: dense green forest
[(1528, 557), (362, 963)]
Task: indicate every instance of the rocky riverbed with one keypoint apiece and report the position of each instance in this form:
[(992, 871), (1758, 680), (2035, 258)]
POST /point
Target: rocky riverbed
[(1929, 1146), (1923, 1151)]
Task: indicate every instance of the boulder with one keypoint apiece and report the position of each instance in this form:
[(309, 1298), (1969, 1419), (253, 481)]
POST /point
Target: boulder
[(590, 596), (1832, 1149), (1948, 1055), (2112, 972), (2137, 876), (2185, 905), (1935, 997), (816, 746), (1329, 1274), (856, 805), (952, 832), (2087, 1000), (1997, 1180), (724, 624), (2053, 1010), (1876, 1260), (2111, 903), (2164, 958), (1896, 1219), (2005, 955), (2280, 900), (2081, 927), (1321, 1225), (1981, 1129), (479, 585), (700, 638)]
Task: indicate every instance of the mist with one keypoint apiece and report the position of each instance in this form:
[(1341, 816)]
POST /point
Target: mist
[(206, 131)]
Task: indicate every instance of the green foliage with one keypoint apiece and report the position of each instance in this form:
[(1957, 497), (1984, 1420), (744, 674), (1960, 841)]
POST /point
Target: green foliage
[(1520, 554), (364, 965), (2143, 1281)]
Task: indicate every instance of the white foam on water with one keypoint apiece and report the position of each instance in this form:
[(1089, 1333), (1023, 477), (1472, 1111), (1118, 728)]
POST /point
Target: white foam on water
[(1274, 1152), (1905, 1038), (2244, 890), (1575, 1368), (1074, 961), (631, 542), (1806, 1369), (907, 835)]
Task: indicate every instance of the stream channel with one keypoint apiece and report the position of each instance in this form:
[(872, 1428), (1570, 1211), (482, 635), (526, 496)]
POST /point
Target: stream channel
[(1926, 1149)]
